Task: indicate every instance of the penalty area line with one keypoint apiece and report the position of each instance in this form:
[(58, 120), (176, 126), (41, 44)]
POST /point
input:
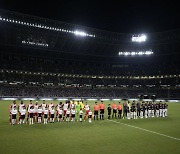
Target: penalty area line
[(146, 130)]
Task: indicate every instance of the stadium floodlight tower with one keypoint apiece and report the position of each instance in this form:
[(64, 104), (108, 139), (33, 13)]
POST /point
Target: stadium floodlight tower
[(139, 38)]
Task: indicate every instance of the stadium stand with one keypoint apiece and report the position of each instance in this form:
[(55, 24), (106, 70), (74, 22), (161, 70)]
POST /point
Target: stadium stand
[(43, 58)]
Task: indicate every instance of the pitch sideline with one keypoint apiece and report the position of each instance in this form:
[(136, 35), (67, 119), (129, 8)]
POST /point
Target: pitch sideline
[(146, 130)]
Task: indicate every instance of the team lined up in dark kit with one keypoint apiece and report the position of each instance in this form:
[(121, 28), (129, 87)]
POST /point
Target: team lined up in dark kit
[(138, 110)]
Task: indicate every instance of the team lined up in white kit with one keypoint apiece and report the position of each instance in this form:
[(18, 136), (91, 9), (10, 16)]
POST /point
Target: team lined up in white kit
[(36, 113)]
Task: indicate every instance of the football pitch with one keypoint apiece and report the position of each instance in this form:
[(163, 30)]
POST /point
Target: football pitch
[(135, 136)]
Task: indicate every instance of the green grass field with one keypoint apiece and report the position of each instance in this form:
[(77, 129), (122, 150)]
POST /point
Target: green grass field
[(98, 137)]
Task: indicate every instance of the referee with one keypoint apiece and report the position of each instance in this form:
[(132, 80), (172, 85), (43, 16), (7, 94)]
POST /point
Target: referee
[(96, 110)]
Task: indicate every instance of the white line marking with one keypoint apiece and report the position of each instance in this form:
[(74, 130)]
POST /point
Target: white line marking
[(147, 130)]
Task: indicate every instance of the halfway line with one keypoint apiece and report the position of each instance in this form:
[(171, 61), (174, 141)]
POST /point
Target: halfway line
[(146, 130)]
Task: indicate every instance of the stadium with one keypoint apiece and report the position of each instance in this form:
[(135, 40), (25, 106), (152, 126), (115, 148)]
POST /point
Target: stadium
[(45, 60)]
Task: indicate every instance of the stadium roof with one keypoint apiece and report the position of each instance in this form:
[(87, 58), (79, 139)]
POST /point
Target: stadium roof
[(116, 16), (23, 30)]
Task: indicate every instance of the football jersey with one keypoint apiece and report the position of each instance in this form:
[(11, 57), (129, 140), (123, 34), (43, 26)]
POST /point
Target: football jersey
[(65, 107), (73, 112), (21, 107), (87, 107), (59, 106), (43, 106), (109, 109), (82, 105), (68, 112), (35, 108), (101, 106), (114, 106), (13, 111), (90, 113), (39, 110), (45, 111), (29, 106), (50, 106), (166, 106), (23, 111), (12, 106), (52, 111), (72, 106), (31, 110), (60, 111)]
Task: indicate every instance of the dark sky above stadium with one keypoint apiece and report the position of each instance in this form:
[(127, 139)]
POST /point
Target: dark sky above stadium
[(117, 16)]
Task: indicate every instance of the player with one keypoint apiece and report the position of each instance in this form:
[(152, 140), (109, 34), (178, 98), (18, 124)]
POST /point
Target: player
[(68, 115), (31, 115), (157, 110), (141, 112), (45, 112), (14, 115), (20, 107), (10, 109), (114, 107), (125, 107), (28, 108), (90, 116), (109, 111), (50, 105), (43, 105), (134, 111), (65, 107), (50, 108), (58, 107), (39, 111), (160, 109), (73, 112), (86, 107), (36, 107), (81, 115), (96, 110), (131, 112), (52, 112), (152, 110), (149, 110), (81, 104), (128, 105), (102, 107), (77, 108), (23, 114), (128, 113), (145, 110), (166, 109), (72, 106), (138, 106), (163, 110), (60, 114), (119, 107)]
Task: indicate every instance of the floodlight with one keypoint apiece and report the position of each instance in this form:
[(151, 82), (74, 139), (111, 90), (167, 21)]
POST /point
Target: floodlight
[(79, 33), (139, 38), (133, 53), (140, 53)]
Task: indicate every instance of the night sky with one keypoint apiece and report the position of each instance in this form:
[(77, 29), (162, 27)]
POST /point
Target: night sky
[(124, 16)]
